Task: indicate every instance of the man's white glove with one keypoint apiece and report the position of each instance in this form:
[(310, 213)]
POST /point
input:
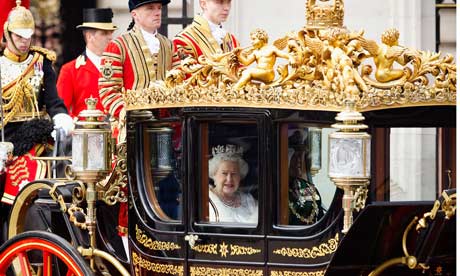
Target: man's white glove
[(63, 121)]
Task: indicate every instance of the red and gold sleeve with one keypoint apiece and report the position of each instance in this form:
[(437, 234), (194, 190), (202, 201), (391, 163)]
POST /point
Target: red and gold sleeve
[(111, 78), (184, 46)]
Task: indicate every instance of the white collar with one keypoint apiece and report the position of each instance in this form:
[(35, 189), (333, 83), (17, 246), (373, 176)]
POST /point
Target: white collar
[(217, 31), (152, 41), (213, 26), (95, 59)]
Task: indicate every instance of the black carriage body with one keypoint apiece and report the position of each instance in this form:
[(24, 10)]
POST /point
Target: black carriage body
[(160, 243), (258, 248)]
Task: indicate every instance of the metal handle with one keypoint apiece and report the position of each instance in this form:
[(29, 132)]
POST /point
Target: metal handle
[(191, 238), (449, 176)]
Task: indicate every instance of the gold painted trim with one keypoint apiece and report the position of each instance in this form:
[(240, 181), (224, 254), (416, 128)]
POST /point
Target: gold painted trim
[(147, 242), (448, 6), (326, 248), (301, 98), (170, 269), (237, 250), (226, 250), (212, 271), (296, 273)]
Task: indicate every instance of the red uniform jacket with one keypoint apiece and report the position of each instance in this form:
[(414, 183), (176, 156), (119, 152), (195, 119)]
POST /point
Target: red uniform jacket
[(77, 81)]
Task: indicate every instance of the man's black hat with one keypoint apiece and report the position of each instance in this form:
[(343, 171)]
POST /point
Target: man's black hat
[(97, 19), (137, 3)]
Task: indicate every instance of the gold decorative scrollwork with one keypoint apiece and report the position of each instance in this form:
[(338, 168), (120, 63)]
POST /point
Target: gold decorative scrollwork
[(296, 273), (112, 187), (206, 248), (211, 271), (224, 250), (321, 250), (139, 262), (236, 250), (78, 194), (147, 242), (449, 206)]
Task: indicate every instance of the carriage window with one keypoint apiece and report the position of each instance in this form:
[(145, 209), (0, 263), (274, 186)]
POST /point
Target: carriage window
[(305, 188), (163, 154), (229, 180)]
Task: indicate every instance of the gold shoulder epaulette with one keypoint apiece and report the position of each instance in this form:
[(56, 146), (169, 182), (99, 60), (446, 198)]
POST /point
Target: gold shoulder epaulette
[(49, 54)]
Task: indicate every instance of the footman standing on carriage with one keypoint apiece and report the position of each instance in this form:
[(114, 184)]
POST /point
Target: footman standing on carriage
[(206, 35), (132, 61), (32, 109)]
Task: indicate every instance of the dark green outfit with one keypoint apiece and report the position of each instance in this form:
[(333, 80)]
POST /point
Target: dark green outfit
[(304, 202)]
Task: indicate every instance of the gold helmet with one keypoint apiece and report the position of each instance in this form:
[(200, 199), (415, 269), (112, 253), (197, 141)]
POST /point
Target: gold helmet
[(20, 21)]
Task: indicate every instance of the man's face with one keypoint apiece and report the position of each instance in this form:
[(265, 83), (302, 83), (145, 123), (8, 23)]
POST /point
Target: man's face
[(97, 40), (21, 43), (216, 11), (148, 16)]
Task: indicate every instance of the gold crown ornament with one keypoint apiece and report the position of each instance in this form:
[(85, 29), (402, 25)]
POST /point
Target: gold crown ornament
[(322, 15)]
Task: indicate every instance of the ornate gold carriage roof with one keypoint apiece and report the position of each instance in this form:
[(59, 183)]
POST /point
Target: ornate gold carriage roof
[(325, 65)]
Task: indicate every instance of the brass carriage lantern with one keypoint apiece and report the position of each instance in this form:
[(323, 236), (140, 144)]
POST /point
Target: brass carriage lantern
[(91, 152), (91, 159), (349, 161)]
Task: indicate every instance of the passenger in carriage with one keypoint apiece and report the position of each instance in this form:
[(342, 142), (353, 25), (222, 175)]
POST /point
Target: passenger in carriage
[(305, 205), (227, 203), (31, 106), (206, 36), (78, 79)]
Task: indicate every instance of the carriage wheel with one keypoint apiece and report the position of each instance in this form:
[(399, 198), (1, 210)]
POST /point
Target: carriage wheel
[(58, 257), (24, 200)]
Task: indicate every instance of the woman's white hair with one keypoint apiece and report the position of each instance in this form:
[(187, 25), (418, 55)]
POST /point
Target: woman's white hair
[(227, 153)]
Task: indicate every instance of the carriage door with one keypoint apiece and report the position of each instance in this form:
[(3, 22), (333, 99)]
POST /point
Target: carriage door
[(226, 198)]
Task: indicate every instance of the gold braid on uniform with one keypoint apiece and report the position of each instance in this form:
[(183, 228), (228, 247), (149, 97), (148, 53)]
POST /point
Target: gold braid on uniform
[(21, 94), (49, 54)]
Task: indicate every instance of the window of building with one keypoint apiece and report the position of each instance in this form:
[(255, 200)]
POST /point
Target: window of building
[(176, 16)]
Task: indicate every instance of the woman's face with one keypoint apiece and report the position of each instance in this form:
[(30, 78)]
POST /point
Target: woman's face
[(227, 178)]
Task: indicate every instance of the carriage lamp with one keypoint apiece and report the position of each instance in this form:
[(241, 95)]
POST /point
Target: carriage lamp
[(349, 161), (91, 159), (161, 143), (314, 138), (91, 154)]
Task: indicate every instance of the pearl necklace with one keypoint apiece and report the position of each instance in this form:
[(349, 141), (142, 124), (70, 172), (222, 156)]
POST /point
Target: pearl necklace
[(233, 203)]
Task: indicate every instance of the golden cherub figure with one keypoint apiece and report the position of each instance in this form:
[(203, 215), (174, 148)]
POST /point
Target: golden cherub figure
[(386, 54), (264, 55), (339, 64)]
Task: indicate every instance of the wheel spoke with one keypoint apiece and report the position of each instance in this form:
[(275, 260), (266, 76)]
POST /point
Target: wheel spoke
[(25, 265), (47, 264)]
